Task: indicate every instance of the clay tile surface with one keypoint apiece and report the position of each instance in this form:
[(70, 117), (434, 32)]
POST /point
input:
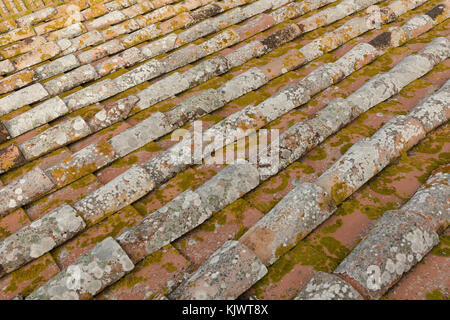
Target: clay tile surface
[(223, 149)]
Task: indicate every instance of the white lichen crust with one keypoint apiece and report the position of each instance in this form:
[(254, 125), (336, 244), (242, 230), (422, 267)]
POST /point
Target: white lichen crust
[(225, 275), (325, 286), (24, 189), (39, 237), (398, 241)]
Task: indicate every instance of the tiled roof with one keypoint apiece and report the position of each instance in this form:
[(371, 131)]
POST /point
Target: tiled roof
[(98, 200)]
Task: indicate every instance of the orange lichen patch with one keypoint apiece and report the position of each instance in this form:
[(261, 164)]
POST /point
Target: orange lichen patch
[(137, 9), (57, 23), (95, 11), (22, 47), (160, 14), (68, 7), (119, 29), (44, 52), (77, 166), (175, 23), (7, 25), (16, 35), (43, 162)]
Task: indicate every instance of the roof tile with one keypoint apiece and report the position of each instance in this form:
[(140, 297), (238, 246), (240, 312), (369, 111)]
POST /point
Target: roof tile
[(28, 187), (397, 242)]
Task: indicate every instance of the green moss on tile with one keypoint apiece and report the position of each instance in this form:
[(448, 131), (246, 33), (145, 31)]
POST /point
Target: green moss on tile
[(169, 267), (317, 154), (335, 248)]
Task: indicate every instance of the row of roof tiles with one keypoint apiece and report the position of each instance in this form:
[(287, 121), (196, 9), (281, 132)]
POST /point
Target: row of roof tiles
[(135, 172)]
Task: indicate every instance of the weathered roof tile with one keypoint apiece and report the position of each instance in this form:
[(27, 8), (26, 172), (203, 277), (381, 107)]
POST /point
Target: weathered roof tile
[(126, 148), (118, 193), (92, 94), (10, 157), (70, 79), (80, 163), (37, 116), (295, 216), (163, 226), (144, 132), (398, 241), (45, 51), (22, 97), (55, 67), (32, 184)]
